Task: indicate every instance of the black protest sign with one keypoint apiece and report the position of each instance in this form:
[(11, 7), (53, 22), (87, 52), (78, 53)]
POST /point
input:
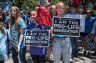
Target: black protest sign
[(66, 26), (37, 38)]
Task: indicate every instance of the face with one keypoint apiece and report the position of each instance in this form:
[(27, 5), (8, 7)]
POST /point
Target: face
[(13, 11), (53, 9), (73, 10), (60, 9), (89, 12), (9, 25), (33, 14), (80, 11)]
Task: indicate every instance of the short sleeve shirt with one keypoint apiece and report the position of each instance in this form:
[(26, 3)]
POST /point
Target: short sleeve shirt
[(15, 36)]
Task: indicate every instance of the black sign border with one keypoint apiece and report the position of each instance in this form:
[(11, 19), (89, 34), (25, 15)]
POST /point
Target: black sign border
[(63, 35), (38, 30)]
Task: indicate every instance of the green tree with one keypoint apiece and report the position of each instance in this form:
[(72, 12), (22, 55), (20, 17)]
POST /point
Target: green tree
[(30, 4), (19, 3), (26, 4)]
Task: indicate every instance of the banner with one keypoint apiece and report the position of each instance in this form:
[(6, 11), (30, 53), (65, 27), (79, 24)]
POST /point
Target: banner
[(37, 38), (66, 26)]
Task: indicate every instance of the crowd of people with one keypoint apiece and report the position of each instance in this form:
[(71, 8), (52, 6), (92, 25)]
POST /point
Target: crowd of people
[(14, 24)]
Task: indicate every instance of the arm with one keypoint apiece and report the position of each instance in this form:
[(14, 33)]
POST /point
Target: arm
[(93, 30), (21, 38)]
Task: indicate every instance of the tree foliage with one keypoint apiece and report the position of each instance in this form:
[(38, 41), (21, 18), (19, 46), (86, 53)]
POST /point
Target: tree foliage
[(31, 4), (26, 4)]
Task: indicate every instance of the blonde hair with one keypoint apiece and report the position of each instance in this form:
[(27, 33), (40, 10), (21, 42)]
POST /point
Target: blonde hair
[(2, 28), (2, 25), (33, 11), (60, 3), (18, 14)]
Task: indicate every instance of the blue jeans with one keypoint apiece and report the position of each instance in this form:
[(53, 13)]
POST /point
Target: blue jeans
[(22, 54), (14, 55), (62, 47)]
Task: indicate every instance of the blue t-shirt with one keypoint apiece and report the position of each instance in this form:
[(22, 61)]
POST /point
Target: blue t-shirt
[(3, 49), (94, 28), (24, 17), (15, 36), (89, 22), (22, 26)]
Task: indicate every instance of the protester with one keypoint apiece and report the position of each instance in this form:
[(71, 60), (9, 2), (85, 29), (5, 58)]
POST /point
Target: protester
[(28, 18), (61, 44), (74, 40), (53, 10), (38, 54), (89, 20), (23, 15), (53, 13), (3, 43), (84, 10), (41, 19), (88, 28), (17, 36), (44, 18), (33, 16)]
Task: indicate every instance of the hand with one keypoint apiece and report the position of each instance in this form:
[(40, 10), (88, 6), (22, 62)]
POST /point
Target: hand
[(18, 48), (28, 47), (51, 30)]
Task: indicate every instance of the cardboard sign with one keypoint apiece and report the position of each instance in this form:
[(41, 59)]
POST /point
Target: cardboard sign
[(37, 38), (66, 26)]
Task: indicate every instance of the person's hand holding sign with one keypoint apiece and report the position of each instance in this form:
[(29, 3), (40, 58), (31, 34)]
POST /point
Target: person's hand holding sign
[(28, 47)]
